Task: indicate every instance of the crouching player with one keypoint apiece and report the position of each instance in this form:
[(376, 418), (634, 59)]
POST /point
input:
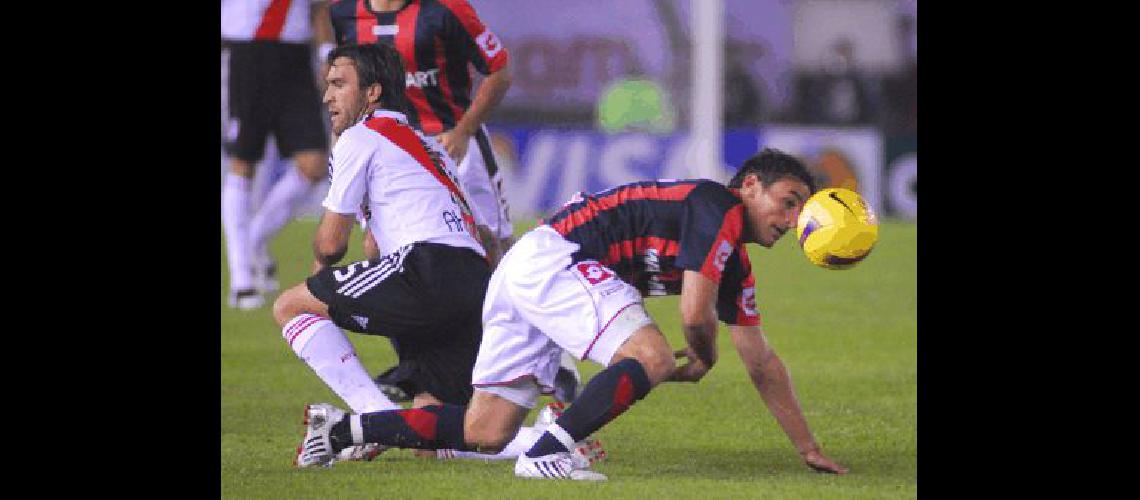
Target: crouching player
[(426, 285), (576, 283)]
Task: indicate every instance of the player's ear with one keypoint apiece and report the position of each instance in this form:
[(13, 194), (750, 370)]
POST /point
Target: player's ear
[(374, 92), (751, 182)]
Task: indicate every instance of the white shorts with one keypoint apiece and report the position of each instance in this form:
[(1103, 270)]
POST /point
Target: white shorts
[(484, 190), (538, 305)]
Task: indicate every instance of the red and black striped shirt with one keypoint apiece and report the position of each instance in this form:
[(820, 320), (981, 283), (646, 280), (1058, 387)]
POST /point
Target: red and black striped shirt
[(436, 40), (650, 232)]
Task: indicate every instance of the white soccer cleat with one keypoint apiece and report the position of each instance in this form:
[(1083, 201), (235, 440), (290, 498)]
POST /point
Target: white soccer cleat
[(316, 448), (246, 299), (588, 451), (548, 414), (555, 466), (360, 452)]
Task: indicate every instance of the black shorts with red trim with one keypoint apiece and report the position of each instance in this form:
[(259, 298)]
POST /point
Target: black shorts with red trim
[(428, 298), (272, 90)]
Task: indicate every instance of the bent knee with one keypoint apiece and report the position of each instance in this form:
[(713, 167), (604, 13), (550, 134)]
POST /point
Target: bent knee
[(648, 347), (659, 365), (289, 304), (489, 440)]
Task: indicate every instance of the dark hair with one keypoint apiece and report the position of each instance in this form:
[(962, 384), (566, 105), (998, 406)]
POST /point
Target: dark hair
[(376, 63), (771, 165)]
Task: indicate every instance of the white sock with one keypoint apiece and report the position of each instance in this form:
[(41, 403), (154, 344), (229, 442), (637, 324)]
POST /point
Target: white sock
[(235, 223), (276, 210), (522, 442), (325, 348)]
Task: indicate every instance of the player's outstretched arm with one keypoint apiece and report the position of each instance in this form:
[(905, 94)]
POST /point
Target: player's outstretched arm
[(774, 384)]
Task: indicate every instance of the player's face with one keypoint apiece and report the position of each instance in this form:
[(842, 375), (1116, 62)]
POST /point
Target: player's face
[(773, 210), (344, 97)]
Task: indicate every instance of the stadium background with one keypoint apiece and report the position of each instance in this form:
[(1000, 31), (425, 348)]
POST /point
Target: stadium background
[(603, 96)]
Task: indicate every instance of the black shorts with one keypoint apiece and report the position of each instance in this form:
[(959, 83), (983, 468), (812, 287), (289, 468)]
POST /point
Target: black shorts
[(428, 298), (272, 90)]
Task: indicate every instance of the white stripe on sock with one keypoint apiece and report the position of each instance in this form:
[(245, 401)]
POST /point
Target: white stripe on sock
[(357, 429), (562, 436)]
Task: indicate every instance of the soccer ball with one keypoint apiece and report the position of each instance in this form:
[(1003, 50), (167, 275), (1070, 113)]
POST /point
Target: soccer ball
[(837, 228)]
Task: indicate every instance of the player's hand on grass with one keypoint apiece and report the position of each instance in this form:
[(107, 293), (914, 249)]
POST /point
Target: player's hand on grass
[(455, 142), (818, 462), (692, 371)]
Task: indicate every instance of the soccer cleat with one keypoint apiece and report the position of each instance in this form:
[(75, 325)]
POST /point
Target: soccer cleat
[(316, 448), (555, 466), (549, 414), (588, 451), (360, 452), (246, 299), (567, 381)]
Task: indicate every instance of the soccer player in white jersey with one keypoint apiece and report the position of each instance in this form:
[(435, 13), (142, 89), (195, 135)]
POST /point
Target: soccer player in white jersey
[(426, 288), (576, 283)]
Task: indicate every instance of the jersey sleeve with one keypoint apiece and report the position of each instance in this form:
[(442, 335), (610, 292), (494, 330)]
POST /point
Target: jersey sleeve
[(736, 296), (712, 224), (349, 173), (474, 41)]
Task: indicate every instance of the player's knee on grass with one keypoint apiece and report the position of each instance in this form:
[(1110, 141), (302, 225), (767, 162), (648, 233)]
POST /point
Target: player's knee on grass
[(491, 422), (648, 346)]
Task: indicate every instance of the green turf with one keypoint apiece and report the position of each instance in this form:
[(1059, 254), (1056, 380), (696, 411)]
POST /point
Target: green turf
[(848, 337)]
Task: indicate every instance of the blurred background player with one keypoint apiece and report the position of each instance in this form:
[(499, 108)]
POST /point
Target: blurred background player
[(271, 91), (438, 40)]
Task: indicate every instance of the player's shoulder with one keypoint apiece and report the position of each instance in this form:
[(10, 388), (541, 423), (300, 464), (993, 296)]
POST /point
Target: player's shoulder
[(358, 135), (708, 191), (452, 5)]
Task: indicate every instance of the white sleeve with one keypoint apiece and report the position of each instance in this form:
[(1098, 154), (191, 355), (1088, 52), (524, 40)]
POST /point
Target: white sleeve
[(350, 159)]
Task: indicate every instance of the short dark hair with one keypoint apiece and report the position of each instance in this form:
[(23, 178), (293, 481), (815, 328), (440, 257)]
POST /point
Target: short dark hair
[(377, 63), (771, 165)]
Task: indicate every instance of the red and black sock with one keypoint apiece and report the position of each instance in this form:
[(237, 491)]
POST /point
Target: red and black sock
[(610, 393), (427, 428)]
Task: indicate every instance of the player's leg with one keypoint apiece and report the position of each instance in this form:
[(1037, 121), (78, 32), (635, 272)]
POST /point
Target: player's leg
[(487, 425), (235, 224), (279, 207), (530, 294), (246, 131), (318, 341), (642, 362), (300, 135)]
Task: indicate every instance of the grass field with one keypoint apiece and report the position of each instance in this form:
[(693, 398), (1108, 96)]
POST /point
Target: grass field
[(849, 339)]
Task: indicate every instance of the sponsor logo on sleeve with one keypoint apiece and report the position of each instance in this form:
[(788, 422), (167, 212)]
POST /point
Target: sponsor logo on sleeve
[(489, 43)]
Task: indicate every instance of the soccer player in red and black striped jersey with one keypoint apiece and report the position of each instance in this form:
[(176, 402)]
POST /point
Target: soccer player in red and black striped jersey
[(437, 40), (576, 283)]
